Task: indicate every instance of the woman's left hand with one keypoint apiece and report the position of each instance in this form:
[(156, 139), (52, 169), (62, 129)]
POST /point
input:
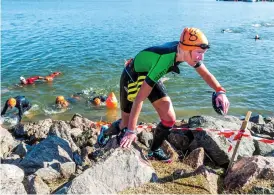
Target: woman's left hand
[(222, 99)]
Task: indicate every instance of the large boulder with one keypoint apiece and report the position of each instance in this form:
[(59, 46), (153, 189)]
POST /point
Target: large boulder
[(266, 129), (7, 142), (117, 170), (49, 152), (11, 180), (217, 146), (63, 130), (263, 149), (34, 130), (249, 169)]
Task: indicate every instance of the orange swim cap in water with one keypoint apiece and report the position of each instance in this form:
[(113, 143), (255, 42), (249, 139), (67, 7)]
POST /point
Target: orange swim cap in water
[(111, 101), (11, 102), (96, 101), (60, 99), (193, 38)]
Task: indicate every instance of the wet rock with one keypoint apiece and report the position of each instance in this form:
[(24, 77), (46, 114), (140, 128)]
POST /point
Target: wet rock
[(249, 169)]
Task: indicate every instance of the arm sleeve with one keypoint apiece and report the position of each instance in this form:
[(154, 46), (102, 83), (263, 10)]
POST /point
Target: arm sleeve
[(5, 108), (20, 113)]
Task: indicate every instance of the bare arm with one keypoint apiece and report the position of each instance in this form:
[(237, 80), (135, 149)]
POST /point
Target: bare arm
[(137, 105)]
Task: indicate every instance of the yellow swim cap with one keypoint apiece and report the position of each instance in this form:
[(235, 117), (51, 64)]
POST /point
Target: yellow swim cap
[(12, 102), (193, 38)]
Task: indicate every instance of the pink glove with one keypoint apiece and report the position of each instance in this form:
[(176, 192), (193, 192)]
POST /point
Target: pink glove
[(128, 139), (222, 99)]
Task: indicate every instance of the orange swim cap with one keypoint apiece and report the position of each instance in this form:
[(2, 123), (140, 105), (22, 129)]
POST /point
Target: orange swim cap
[(111, 101), (12, 102), (193, 38), (48, 78), (60, 99), (96, 101)]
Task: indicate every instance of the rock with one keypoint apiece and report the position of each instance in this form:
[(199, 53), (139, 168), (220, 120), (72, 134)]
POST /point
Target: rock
[(62, 129), (51, 150), (257, 119), (249, 169), (168, 149), (261, 190), (196, 158), (76, 132), (145, 138), (11, 180), (263, 149), (180, 140), (266, 129), (36, 131), (22, 149), (11, 173), (85, 139), (67, 169), (12, 159), (116, 171), (80, 122), (85, 153), (217, 146), (35, 185), (48, 174), (7, 142)]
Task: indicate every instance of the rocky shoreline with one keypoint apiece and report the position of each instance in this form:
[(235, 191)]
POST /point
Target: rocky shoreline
[(53, 156)]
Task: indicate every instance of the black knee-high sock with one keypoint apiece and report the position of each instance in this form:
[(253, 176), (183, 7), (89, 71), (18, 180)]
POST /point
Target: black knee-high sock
[(160, 134)]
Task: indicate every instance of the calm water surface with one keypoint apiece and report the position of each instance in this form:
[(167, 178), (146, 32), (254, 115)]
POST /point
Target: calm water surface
[(88, 41)]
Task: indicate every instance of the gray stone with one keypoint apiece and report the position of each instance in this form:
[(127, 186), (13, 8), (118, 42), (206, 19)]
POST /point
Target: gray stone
[(7, 142), (249, 169), (67, 169), (266, 129), (48, 174), (51, 150), (80, 122), (216, 146), (62, 129), (35, 185), (11, 180), (179, 140), (196, 158), (118, 170), (145, 138), (263, 149)]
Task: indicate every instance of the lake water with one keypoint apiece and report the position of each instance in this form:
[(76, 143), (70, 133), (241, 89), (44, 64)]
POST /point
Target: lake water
[(88, 41)]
